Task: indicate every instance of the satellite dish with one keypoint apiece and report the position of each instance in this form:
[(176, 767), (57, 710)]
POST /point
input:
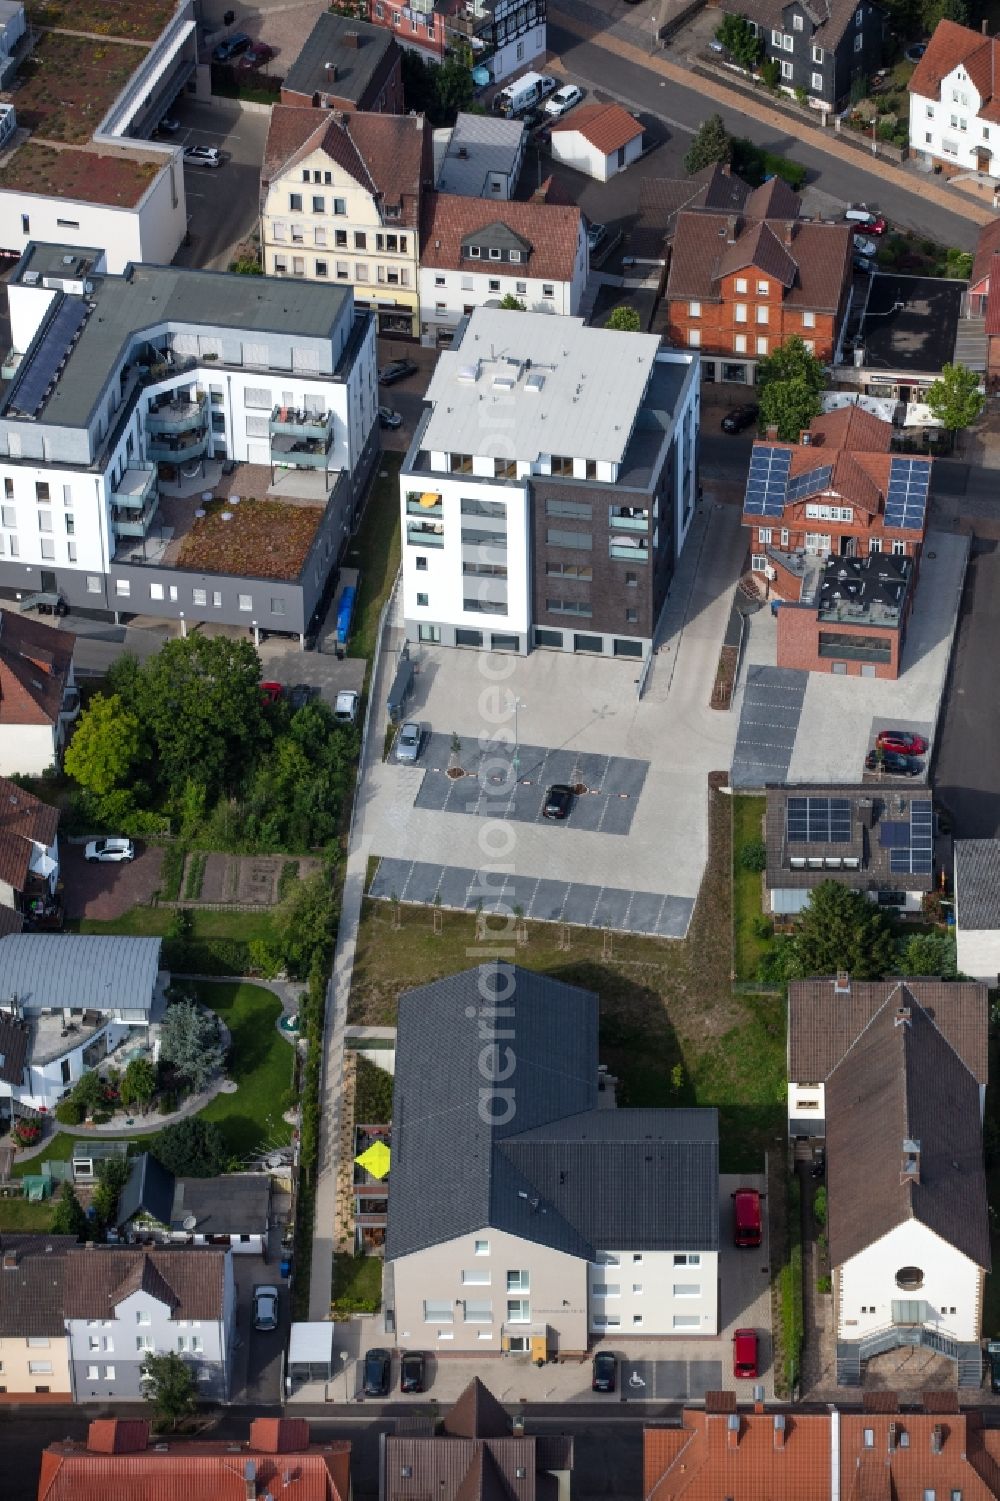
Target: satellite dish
[(190, 1222), (275, 1160)]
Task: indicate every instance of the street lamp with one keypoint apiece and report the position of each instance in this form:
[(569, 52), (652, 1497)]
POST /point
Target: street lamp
[(516, 759), (344, 1358)]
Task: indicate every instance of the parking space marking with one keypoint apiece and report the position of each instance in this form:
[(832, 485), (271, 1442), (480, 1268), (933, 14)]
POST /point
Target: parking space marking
[(769, 721)]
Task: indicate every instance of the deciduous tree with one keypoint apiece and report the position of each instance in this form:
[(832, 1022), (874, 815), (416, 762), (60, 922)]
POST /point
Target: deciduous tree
[(105, 745), (790, 406), (625, 319), (841, 929), (740, 41), (168, 1385), (193, 1148), (955, 399)]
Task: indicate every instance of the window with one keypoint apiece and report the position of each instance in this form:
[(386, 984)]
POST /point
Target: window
[(319, 205), (41, 490), (631, 617), (687, 1289), (504, 469), (421, 563), (478, 1313), (606, 1290), (322, 268), (763, 313), (562, 464), (277, 607), (875, 544), (694, 338), (340, 205), (607, 1321), (518, 1311), (93, 1342), (788, 43), (808, 320), (494, 285), (8, 488), (686, 1321), (360, 240), (518, 1282), (797, 23), (762, 346), (687, 1258), (429, 633), (37, 1342), (776, 38), (438, 1311), (764, 535), (637, 1289), (244, 602), (343, 271), (521, 287), (48, 550), (422, 599), (859, 42), (898, 548), (569, 607), (559, 537), (569, 570), (548, 289), (93, 1372), (199, 596), (93, 584), (476, 1277), (858, 16), (155, 592), (143, 1342), (494, 253), (360, 271), (142, 1315), (817, 54), (460, 463), (741, 284), (39, 1367), (694, 309), (816, 81), (295, 203), (123, 588), (492, 508), (740, 344), (482, 1247), (740, 312), (930, 111), (340, 239)]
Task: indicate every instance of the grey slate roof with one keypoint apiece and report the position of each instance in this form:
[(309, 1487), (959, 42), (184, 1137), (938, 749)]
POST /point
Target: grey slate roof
[(558, 1171), (977, 884), (149, 1190), (236, 1204), (47, 971), (355, 65), (489, 143), (31, 1293)]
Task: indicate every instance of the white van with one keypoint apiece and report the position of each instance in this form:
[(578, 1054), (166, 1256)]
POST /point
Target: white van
[(523, 94)]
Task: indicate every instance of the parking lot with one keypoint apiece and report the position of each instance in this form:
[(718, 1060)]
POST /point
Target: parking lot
[(223, 203)]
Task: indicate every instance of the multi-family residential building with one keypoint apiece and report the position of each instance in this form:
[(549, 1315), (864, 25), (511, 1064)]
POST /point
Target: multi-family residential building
[(744, 280), (600, 140), (346, 64), (88, 173), (500, 36), (955, 101), (532, 1236), (39, 698), (474, 253), (340, 202), (893, 1074), (131, 392), (549, 487), (34, 1352), (67, 1002), (977, 908), (820, 48), (13, 26), (124, 1303), (476, 1454), (29, 855), (480, 156), (874, 837)]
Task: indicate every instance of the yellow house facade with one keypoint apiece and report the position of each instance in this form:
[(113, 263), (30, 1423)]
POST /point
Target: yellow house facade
[(340, 201), (35, 1366), (34, 1348)]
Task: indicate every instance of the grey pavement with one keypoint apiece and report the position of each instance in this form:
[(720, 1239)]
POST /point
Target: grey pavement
[(223, 205), (965, 769), (769, 721)]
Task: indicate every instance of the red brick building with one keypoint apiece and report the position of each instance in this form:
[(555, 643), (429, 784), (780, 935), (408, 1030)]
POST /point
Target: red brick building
[(744, 279), (423, 28), (836, 524), (983, 300)]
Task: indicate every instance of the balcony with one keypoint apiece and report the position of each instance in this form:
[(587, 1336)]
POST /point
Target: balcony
[(293, 423), (427, 504), (628, 553), (178, 448), (430, 534), (627, 520), (136, 487), (301, 453), (176, 417), (129, 523)]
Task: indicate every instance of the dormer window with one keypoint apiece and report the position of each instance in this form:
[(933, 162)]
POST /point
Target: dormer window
[(474, 252), (391, 210), (515, 255), (494, 253)]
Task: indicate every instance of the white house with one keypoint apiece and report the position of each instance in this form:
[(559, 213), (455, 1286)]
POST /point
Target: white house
[(954, 97), (894, 1074), (39, 698), (598, 139), (549, 487), (67, 1003), (480, 156), (472, 254), (518, 1227), (977, 907), (122, 1304)]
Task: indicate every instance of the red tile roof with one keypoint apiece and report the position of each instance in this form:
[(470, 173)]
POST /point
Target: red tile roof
[(387, 154), (854, 446), (608, 127), (118, 1436), (24, 822), (811, 260), (553, 232), (944, 1455), (950, 45), (34, 667), (762, 1459), (993, 303)]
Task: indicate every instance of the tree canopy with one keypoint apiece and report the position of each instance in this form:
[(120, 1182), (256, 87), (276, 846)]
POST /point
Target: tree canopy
[(138, 1084), (740, 40), (712, 144), (790, 406), (168, 1385), (841, 929), (303, 923), (189, 1040), (792, 361), (68, 1217), (192, 1148), (105, 746), (625, 319), (955, 398)]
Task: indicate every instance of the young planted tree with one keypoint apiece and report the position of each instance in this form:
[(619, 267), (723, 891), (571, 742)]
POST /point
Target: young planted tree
[(956, 398), (138, 1084), (790, 406), (740, 40), (712, 144), (69, 1218), (625, 319), (168, 1385)]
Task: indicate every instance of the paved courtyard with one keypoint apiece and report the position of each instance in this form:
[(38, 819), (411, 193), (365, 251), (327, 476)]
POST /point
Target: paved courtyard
[(648, 761)]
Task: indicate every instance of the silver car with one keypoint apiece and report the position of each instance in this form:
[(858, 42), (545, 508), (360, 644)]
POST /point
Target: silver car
[(409, 741)]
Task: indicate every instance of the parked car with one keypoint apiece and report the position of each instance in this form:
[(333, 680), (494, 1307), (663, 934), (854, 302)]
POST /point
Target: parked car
[(563, 100), (408, 741), (378, 1366), (859, 213), (871, 224), (558, 801), (413, 1372), (231, 46), (300, 695), (256, 56), (388, 418), (864, 246), (605, 1376), (394, 371), (745, 1354), (903, 741), (597, 234), (864, 263), (913, 55), (271, 692), (740, 418), (893, 763), (265, 1307), (202, 156), (747, 1229), (345, 708), (168, 126), (107, 850)]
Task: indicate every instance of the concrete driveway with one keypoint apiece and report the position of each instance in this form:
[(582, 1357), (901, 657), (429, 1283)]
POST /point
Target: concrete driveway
[(258, 1355), (105, 892)]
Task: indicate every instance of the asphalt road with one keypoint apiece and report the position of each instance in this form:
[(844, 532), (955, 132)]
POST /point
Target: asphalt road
[(683, 110)]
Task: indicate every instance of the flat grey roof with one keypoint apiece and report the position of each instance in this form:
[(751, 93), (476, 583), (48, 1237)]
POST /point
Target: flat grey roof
[(491, 144), (68, 262), (355, 65), (146, 297), (911, 322), (234, 1205), (592, 384), (47, 971)]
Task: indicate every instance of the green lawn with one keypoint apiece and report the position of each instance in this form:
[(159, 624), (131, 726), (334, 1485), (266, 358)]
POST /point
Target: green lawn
[(18, 1214), (261, 1066), (748, 813), (58, 1149), (375, 550), (357, 1285), (154, 922)]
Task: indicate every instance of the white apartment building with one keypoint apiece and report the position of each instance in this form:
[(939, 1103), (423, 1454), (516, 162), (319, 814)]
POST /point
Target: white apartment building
[(954, 93), (549, 488), (123, 380)]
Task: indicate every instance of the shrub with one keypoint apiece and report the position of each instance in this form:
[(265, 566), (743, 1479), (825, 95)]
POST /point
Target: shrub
[(373, 1096), (263, 959), (770, 72), (27, 1133), (207, 956), (790, 1291), (195, 876), (753, 855), (762, 927), (101, 1117), (819, 1206), (824, 1284), (167, 1103), (172, 871), (69, 1112), (181, 923)]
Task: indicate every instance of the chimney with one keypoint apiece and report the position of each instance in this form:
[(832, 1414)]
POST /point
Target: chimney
[(893, 1436), (758, 1406), (731, 223), (789, 232), (937, 1439), (331, 72), (10, 1260), (902, 1017), (250, 1479), (733, 1430), (986, 27), (772, 434), (910, 1170), (842, 984), (351, 39), (779, 1430)]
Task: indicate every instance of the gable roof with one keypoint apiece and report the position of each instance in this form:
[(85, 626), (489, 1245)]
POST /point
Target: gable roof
[(901, 1083), (148, 1190), (607, 127), (25, 821), (389, 155), (552, 233), (34, 668), (32, 1291), (355, 49), (760, 248), (950, 45), (777, 1456), (824, 1024), (477, 1414), (943, 1455), (987, 246), (190, 1281), (811, 260), (830, 18), (49, 971), (977, 884)]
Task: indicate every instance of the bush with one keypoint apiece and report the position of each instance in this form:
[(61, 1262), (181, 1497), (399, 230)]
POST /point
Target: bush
[(753, 855), (101, 1117), (195, 876), (172, 871), (181, 923), (819, 1206), (207, 956), (263, 959), (373, 1096), (762, 927), (167, 1103), (69, 1112), (770, 72), (824, 1284), (755, 164), (790, 1291)]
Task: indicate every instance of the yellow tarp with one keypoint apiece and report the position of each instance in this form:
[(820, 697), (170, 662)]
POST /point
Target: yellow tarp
[(375, 1159), (430, 499)]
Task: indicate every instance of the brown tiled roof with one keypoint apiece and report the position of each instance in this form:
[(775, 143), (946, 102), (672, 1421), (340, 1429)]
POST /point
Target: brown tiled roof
[(387, 154), (279, 1435), (993, 305), (191, 1281), (941, 1457), (477, 1414), (700, 1462), (813, 267), (15, 1045), (34, 666), (869, 805), (552, 232), (607, 127), (902, 1081), (851, 427), (24, 820), (463, 1469), (823, 1026), (950, 45), (759, 247), (773, 200), (987, 246), (31, 1293)]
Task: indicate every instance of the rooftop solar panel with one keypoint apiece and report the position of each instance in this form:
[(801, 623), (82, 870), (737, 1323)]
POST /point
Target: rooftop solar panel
[(765, 494), (913, 855), (906, 496), (813, 483), (893, 836), (43, 366), (818, 820)]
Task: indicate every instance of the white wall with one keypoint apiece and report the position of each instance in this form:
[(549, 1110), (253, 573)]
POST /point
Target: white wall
[(933, 133), (26, 749), (868, 1280), (979, 953), (645, 1292), (574, 150), (807, 1102), (517, 55)]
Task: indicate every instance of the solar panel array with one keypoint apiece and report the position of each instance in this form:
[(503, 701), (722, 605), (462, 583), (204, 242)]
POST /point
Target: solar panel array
[(812, 483), (906, 498), (917, 857), (818, 820), (767, 481), (44, 365), (892, 835)]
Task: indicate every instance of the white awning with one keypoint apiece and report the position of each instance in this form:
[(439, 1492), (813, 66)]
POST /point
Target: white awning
[(312, 1344)]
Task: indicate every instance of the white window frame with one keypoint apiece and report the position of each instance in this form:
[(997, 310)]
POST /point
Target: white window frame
[(694, 309), (817, 54)]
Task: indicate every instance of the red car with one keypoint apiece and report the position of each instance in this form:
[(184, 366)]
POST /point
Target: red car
[(271, 692), (745, 1354), (746, 1217), (902, 742), (256, 56)]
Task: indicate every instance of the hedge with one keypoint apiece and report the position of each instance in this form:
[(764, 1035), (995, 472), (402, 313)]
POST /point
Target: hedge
[(312, 1013), (790, 1291), (755, 165), (172, 871), (207, 956)]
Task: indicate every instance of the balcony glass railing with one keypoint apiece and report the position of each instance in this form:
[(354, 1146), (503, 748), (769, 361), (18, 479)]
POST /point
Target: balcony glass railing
[(176, 416), (636, 522), (138, 483), (425, 536), (300, 453), (425, 504), (629, 554), (179, 448), (296, 423), (132, 523)]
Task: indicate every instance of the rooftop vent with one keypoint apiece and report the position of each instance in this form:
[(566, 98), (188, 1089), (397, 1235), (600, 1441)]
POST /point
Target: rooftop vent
[(733, 1430), (250, 1479), (842, 984), (10, 1260), (469, 373), (779, 1430), (351, 39), (535, 381), (910, 1167)]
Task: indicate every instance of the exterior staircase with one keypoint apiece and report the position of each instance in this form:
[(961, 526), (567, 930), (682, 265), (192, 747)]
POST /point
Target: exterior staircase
[(851, 1354)]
